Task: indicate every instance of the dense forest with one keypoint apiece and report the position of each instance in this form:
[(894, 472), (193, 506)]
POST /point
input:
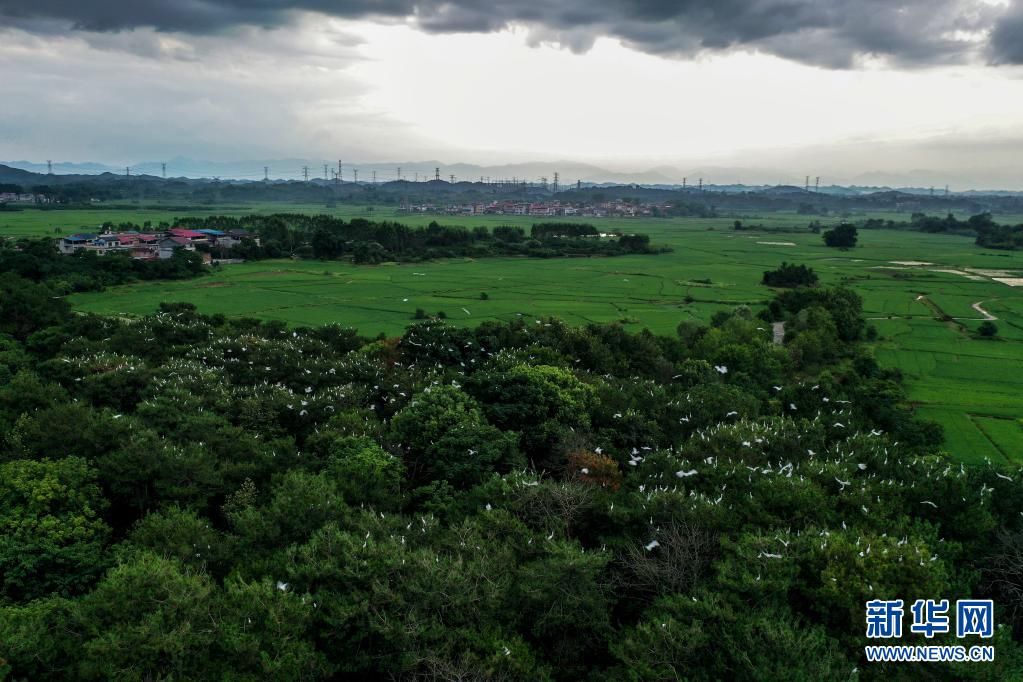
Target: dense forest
[(186, 496), (364, 241)]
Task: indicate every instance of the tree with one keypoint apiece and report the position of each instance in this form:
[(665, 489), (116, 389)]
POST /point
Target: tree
[(843, 237), (26, 306), (143, 622), (563, 602), (790, 275), (706, 638), (365, 473), (445, 437), (51, 532), (180, 534), (543, 402), (987, 329)]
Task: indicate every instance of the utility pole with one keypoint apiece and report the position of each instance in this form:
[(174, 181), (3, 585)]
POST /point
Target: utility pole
[(266, 173), (49, 167), (946, 191), (305, 173)]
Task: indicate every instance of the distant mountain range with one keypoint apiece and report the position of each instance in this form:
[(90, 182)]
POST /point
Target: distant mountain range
[(569, 174)]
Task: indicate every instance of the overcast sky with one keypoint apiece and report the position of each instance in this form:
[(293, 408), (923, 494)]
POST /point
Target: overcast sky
[(928, 91)]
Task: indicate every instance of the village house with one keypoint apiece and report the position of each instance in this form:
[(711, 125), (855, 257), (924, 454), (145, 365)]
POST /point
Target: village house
[(193, 237), (150, 246)]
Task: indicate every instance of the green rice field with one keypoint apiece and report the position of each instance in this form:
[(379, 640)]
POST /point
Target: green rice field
[(973, 387)]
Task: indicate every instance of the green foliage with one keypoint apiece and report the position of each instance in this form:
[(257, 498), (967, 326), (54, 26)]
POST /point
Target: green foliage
[(517, 500), (707, 638), (790, 275), (445, 437), (327, 237), (365, 473), (181, 534), (543, 402), (51, 530), (843, 237), (26, 307)]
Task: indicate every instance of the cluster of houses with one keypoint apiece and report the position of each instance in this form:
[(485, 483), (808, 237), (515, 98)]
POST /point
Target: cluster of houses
[(543, 209), (154, 245), (22, 197)]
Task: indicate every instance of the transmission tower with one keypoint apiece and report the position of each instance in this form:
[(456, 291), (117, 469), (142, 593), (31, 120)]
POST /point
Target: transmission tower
[(49, 167), (555, 182), (374, 177), (266, 173), (305, 173), (807, 188), (436, 173), (452, 178), (399, 172), (163, 170), (817, 184), (356, 172), (326, 173)]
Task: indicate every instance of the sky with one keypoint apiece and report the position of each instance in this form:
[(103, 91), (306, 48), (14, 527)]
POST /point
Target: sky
[(873, 91)]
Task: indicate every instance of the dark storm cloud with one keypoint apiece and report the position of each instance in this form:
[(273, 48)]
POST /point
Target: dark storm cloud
[(831, 33), (1007, 39)]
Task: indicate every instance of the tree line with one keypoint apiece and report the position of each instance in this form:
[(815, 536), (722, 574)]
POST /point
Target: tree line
[(39, 260), (988, 233), (330, 238)]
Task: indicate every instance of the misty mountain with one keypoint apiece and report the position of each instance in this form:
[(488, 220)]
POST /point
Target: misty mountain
[(197, 173)]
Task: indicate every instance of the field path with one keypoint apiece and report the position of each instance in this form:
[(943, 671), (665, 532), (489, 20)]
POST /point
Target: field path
[(987, 316), (779, 332)]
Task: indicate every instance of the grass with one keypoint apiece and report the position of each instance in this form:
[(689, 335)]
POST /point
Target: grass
[(973, 387)]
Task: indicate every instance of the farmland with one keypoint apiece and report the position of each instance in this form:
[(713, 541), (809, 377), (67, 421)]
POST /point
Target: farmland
[(973, 387)]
